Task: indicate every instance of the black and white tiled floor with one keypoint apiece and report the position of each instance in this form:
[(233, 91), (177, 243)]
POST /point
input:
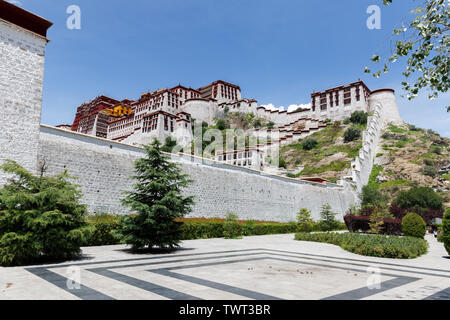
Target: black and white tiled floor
[(219, 269)]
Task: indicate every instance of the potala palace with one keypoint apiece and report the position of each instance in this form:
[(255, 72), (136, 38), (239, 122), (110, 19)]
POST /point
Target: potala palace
[(105, 139), (172, 112)]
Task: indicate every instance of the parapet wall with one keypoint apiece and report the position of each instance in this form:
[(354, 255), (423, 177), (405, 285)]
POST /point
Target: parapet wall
[(103, 170), (384, 109)]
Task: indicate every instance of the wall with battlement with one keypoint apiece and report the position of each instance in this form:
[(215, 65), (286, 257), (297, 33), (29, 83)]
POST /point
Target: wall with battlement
[(103, 169), (384, 108)]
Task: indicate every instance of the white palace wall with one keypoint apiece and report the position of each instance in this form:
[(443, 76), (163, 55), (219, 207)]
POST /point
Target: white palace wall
[(103, 169), (21, 79)]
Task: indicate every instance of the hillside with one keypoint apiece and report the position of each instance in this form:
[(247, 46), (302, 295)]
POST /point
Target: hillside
[(330, 159), (409, 156)]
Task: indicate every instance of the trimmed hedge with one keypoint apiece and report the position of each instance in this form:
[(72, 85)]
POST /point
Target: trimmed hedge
[(361, 223), (371, 245), (207, 230), (413, 226), (104, 229)]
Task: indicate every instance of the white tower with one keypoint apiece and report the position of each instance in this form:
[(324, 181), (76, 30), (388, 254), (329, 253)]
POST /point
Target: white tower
[(22, 51), (386, 98)]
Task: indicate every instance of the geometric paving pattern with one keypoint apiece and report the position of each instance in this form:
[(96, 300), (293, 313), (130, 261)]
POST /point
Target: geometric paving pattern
[(260, 274)]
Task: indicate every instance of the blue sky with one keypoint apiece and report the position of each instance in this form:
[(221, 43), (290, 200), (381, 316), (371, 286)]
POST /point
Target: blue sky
[(278, 51)]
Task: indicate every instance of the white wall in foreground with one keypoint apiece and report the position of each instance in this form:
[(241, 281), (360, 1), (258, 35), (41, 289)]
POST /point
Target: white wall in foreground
[(104, 169), (21, 80)]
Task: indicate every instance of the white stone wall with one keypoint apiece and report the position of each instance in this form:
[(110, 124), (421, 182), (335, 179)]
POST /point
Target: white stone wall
[(384, 108), (104, 168), (21, 81), (201, 110)]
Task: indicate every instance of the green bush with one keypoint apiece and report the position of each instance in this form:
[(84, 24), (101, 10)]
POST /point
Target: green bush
[(202, 230), (309, 144), (371, 245), (104, 230), (419, 198), (412, 127), (327, 219), (282, 163), (430, 171), (41, 218), (436, 150), (169, 145), (370, 195), (305, 223), (232, 228), (158, 200), (446, 230), (221, 124), (258, 229), (352, 134), (413, 225), (359, 117)]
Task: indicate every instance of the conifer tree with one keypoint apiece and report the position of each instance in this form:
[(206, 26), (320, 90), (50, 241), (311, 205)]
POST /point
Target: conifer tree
[(304, 220), (158, 200), (40, 217), (327, 218)]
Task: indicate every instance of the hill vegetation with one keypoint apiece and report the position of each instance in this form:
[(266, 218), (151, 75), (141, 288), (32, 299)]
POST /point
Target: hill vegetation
[(412, 157), (326, 153)]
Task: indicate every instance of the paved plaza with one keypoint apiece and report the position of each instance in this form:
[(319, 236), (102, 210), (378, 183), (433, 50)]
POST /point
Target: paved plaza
[(262, 268)]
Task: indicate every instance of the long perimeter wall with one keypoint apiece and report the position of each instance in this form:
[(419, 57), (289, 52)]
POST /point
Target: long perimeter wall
[(103, 170)]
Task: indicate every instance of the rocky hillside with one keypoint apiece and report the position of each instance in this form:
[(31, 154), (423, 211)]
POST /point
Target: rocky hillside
[(330, 158), (407, 156), (410, 156)]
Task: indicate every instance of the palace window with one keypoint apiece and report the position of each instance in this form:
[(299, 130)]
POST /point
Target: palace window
[(166, 123)]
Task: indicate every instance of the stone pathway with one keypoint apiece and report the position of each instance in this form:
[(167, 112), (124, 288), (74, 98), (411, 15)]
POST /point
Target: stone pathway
[(263, 268)]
